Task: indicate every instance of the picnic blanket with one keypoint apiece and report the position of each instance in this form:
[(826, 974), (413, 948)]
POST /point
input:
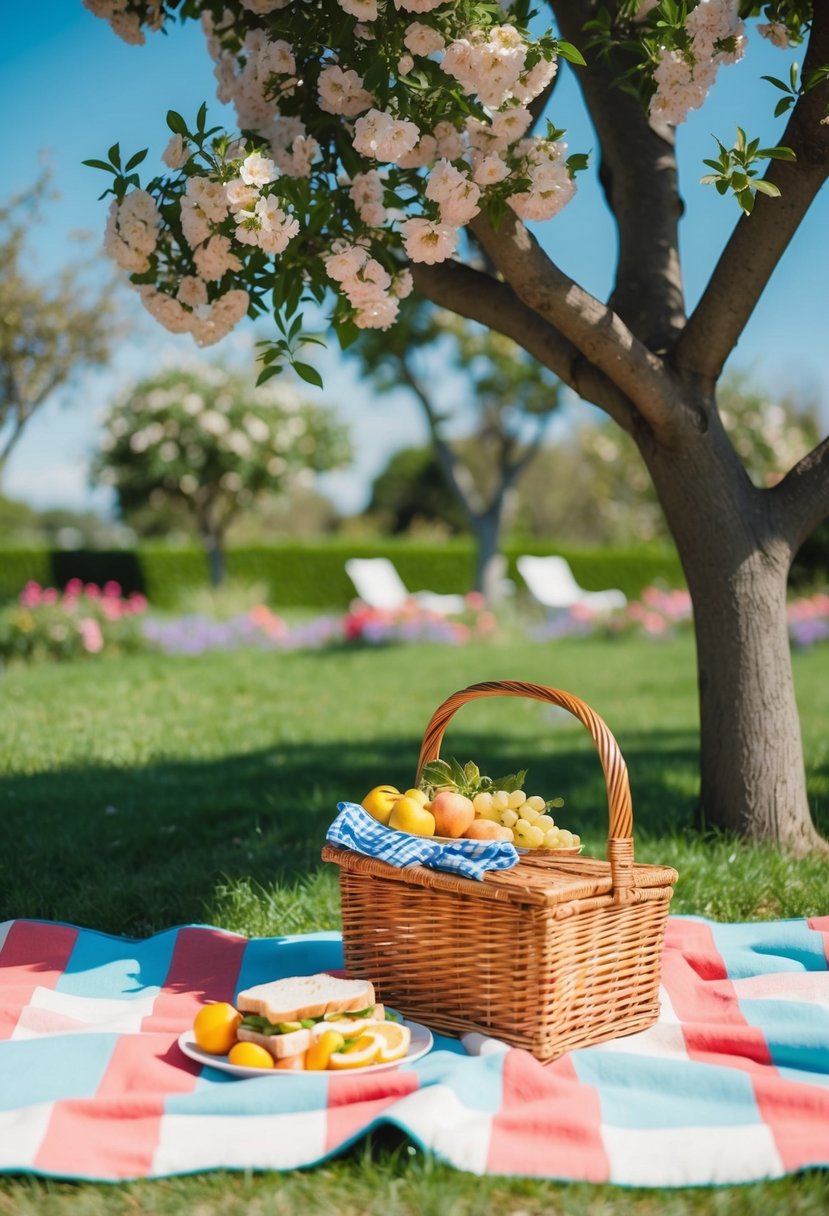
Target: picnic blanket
[(731, 1085)]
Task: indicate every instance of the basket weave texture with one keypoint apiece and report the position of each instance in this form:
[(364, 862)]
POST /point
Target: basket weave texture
[(553, 954)]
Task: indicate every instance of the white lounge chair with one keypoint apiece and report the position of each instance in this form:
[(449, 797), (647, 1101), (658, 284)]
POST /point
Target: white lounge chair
[(551, 582), (379, 585)]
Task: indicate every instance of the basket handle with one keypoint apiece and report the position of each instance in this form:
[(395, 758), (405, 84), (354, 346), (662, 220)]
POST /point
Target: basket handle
[(620, 809)]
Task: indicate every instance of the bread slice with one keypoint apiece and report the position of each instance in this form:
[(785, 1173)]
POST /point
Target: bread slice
[(305, 996)]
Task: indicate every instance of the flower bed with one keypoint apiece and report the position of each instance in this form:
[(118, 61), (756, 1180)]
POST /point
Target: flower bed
[(82, 620), (86, 620)]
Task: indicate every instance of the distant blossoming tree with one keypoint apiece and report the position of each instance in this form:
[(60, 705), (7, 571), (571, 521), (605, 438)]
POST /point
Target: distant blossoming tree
[(391, 144), (52, 327), (212, 442)]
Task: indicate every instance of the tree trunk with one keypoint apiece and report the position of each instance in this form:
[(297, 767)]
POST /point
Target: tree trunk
[(490, 566), (736, 564), (215, 558)]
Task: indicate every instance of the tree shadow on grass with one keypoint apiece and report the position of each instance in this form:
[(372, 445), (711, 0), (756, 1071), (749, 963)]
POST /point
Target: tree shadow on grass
[(134, 850)]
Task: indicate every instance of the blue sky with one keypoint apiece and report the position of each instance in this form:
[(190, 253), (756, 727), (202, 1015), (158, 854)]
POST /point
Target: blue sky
[(70, 88)]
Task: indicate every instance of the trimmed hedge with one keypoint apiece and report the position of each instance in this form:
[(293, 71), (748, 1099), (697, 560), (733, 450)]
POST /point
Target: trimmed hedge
[(311, 574)]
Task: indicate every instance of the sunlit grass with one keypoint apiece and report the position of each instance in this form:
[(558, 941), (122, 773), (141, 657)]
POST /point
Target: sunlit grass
[(144, 792)]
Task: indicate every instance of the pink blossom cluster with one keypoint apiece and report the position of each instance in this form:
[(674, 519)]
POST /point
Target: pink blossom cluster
[(233, 205), (685, 76), (131, 235), (775, 32), (372, 291), (125, 21)]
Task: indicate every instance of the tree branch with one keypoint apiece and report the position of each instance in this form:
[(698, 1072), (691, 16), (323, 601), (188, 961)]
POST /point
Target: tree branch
[(802, 497), (759, 240), (601, 336), (639, 177), (493, 303)]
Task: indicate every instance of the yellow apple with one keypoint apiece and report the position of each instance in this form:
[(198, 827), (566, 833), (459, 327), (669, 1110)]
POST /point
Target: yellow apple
[(409, 815), (380, 802)]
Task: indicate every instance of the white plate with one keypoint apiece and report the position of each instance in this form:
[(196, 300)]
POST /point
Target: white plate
[(421, 1043)]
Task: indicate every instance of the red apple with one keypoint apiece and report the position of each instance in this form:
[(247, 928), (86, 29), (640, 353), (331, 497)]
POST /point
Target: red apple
[(453, 813)]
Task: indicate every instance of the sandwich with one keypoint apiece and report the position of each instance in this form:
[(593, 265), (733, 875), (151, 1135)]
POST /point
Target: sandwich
[(287, 1016)]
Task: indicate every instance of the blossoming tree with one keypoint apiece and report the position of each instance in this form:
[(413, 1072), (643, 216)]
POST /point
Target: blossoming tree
[(210, 442), (386, 144), (51, 328)]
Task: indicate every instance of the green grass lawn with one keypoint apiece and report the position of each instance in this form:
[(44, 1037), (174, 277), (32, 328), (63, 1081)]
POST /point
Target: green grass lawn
[(140, 793)]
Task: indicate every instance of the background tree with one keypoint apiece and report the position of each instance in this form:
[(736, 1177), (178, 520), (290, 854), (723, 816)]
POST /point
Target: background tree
[(50, 330), (411, 495), (419, 111), (509, 395), (206, 441), (593, 487)]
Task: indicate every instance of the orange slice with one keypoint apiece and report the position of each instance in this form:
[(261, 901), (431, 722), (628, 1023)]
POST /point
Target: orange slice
[(395, 1041), (365, 1050)]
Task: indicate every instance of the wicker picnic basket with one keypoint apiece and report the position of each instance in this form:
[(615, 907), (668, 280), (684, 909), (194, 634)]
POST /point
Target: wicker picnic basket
[(556, 953)]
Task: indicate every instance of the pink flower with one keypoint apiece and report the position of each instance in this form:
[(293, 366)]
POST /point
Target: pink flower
[(112, 590), (31, 594), (90, 631), (137, 602), (653, 623), (475, 601), (92, 591), (50, 596), (73, 587)]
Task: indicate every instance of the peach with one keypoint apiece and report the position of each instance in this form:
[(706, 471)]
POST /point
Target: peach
[(453, 813), (485, 829)]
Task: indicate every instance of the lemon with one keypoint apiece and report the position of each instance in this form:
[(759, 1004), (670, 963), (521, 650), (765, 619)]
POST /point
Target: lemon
[(366, 1050), (396, 1040), (250, 1055)]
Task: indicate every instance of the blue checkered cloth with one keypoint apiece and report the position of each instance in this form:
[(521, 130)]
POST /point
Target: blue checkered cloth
[(355, 829)]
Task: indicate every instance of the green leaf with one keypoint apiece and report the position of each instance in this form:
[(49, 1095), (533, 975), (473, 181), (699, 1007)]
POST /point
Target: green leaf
[(176, 123), (767, 188), (778, 84), (307, 373), (471, 772), (746, 200), (114, 155), (201, 118), (134, 161), (268, 374), (347, 334), (784, 104), (776, 154), (567, 51), (99, 164), (513, 781)]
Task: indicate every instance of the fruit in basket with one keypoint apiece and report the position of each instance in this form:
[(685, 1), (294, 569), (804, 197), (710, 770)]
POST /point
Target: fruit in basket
[(487, 829), (380, 802), (453, 813), (419, 796), (409, 815), (500, 803)]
